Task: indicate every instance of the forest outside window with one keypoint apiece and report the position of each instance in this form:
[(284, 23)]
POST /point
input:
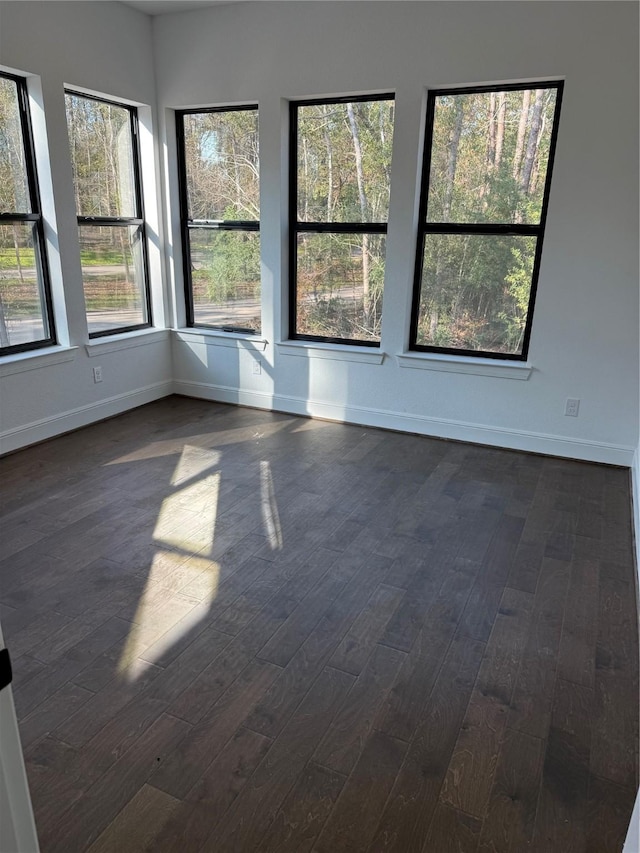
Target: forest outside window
[(487, 171), (340, 154), (26, 317), (103, 137), (220, 213)]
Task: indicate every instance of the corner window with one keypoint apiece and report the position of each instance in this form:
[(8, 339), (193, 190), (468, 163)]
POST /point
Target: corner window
[(103, 136), (486, 177), (340, 162), (220, 213), (26, 317)]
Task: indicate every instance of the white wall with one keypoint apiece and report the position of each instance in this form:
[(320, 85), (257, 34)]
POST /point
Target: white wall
[(585, 332), (106, 48)]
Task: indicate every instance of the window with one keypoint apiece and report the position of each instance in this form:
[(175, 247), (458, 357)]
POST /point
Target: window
[(220, 212), (26, 317), (340, 155), (487, 171), (106, 170)]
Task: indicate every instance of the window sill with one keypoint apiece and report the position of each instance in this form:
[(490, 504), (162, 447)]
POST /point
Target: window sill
[(127, 340), (212, 338), (465, 364), (334, 352), (36, 359)]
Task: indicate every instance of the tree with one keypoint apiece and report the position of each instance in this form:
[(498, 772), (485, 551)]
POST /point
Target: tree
[(21, 307), (343, 168), (489, 158)]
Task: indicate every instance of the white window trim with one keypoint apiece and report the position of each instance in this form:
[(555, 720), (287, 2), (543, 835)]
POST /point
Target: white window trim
[(334, 352), (215, 338), (20, 362), (125, 340), (499, 368)]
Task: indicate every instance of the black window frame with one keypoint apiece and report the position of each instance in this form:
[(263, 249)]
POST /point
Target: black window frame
[(186, 224), (297, 226), (35, 216), (527, 230), (119, 221)]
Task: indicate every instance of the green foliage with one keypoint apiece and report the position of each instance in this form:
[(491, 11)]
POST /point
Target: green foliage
[(328, 189), (14, 191), (226, 265), (488, 165), (340, 283), (344, 162)]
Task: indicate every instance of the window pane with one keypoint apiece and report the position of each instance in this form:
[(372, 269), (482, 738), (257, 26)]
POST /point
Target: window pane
[(344, 161), (225, 276), (102, 157), (22, 312), (475, 291), (339, 285), (221, 155), (14, 187), (490, 155), (112, 273)]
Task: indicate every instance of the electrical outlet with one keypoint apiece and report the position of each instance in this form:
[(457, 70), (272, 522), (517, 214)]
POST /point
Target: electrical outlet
[(257, 367), (572, 408), (97, 374)]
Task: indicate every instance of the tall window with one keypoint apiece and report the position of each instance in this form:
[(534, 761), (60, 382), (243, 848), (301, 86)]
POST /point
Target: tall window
[(339, 204), (487, 171), (26, 318), (106, 169), (220, 212)]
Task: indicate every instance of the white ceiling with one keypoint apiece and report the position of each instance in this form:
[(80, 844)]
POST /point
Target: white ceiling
[(164, 7)]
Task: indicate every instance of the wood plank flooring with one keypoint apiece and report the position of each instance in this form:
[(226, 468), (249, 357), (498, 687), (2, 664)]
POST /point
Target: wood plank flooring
[(238, 631)]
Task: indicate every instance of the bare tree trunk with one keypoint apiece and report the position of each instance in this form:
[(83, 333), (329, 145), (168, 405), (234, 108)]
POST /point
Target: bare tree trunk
[(536, 165), (236, 175), (16, 247), (532, 141), (433, 324), (73, 136), (450, 174), (365, 277), (358, 154), (305, 217), (502, 109), (327, 142), (491, 143), (522, 128), (490, 154), (383, 137), (125, 255), (363, 206), (111, 172)]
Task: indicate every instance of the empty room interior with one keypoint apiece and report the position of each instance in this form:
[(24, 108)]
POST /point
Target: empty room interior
[(319, 426)]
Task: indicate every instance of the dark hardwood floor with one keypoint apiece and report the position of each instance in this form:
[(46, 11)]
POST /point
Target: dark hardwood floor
[(238, 631)]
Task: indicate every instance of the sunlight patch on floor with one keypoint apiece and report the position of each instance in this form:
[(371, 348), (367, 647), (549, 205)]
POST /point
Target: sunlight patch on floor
[(182, 582), (163, 617), (187, 518), (208, 440), (193, 462), (269, 508)]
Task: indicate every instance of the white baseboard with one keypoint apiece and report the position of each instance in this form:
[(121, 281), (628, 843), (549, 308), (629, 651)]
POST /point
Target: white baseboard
[(533, 442), (23, 436), (553, 445)]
